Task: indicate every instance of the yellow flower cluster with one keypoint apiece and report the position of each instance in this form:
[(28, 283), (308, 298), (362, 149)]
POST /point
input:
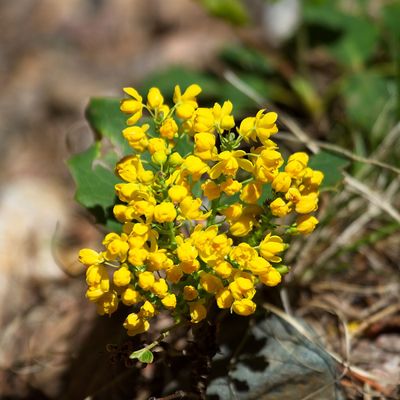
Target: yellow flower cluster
[(201, 206)]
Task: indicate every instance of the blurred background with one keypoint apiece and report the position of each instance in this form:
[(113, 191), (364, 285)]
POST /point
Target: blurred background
[(332, 71)]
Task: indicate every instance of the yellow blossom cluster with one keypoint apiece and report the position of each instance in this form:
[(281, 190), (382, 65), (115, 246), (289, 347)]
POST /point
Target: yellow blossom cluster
[(202, 202)]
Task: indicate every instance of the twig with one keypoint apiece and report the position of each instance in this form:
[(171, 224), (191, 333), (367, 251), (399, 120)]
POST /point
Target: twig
[(393, 308)]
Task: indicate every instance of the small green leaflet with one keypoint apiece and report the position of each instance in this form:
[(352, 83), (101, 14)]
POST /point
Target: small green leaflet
[(143, 355)]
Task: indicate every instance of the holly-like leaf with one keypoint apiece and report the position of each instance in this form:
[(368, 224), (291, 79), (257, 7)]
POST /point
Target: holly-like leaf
[(331, 165), (94, 179), (108, 121)]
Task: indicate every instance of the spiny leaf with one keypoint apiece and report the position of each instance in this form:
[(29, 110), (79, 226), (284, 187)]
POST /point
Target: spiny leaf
[(94, 181)]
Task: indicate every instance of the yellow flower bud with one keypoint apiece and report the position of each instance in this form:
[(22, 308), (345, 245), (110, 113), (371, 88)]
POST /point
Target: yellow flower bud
[(211, 189), (210, 283), (307, 203), (175, 159), (271, 278), (154, 98), (160, 288), (159, 158), (146, 280), (281, 182), (177, 193), (122, 277), (224, 298), (130, 296), (169, 129), (279, 208), (243, 307), (190, 293), (169, 301), (305, 224), (223, 269), (90, 257), (135, 325)]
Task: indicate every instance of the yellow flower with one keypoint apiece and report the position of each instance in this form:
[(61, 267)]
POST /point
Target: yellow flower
[(233, 212), (107, 304), (160, 288), (169, 129), (146, 280), (97, 276), (130, 296), (117, 247), (242, 226), (188, 267), (175, 159), (197, 312), (203, 120), (135, 325), (223, 269), (186, 102), (174, 274), (137, 256), (242, 287), (296, 166), (90, 257), (147, 310), (190, 293), (211, 189), (267, 164), (154, 98), (307, 203), (265, 126), (279, 208), (190, 209), (130, 169), (281, 182), (137, 137), (156, 260), (293, 195), (271, 278), (157, 145), (164, 212), (258, 265), (177, 193), (305, 224), (122, 277), (205, 146), (251, 192), (195, 167), (242, 254), (230, 162), (223, 119), (271, 246), (132, 106), (186, 252), (169, 301), (244, 307), (224, 298), (210, 283), (231, 186)]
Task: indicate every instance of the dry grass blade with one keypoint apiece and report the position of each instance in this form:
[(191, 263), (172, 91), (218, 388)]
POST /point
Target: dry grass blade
[(377, 199)]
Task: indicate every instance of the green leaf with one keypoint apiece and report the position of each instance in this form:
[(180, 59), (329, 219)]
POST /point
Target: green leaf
[(331, 165), (233, 11), (247, 59), (94, 179), (358, 44), (143, 355), (365, 95), (108, 121)]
